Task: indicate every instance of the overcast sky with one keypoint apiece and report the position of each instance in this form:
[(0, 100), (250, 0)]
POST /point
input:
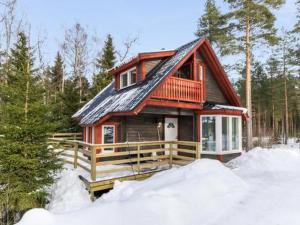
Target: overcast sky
[(157, 23)]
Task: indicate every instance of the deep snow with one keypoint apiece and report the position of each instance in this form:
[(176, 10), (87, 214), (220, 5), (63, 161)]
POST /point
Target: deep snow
[(261, 187)]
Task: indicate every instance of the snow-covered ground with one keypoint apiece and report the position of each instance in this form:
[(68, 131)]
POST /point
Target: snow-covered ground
[(261, 187)]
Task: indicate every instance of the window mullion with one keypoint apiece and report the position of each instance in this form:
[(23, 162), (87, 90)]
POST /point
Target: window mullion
[(230, 134), (218, 131)]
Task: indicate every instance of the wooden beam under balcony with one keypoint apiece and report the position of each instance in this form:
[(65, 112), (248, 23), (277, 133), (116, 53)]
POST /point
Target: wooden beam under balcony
[(167, 103)]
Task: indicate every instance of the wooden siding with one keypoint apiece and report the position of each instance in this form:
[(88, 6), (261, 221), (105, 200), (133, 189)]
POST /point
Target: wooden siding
[(167, 111), (141, 128), (186, 128), (213, 91), (150, 64)]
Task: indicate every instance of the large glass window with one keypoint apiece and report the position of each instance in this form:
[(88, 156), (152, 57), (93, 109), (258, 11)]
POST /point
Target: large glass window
[(128, 78), (209, 133), (108, 135), (225, 133), (235, 133), (220, 133)]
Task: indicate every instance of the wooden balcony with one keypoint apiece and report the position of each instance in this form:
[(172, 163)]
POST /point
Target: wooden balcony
[(180, 89)]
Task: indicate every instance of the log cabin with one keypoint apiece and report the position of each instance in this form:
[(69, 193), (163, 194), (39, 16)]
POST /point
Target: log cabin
[(182, 94)]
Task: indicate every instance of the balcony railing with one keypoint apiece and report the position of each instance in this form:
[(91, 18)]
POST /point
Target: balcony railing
[(180, 89)]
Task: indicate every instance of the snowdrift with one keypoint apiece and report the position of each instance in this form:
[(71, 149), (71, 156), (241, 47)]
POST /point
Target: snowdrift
[(201, 191), (278, 159)]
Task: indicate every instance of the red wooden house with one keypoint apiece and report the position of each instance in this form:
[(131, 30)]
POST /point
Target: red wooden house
[(181, 94)]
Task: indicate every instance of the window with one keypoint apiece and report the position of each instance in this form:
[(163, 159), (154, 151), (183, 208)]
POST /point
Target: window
[(132, 76), (209, 133), (221, 134), (185, 71), (108, 135), (225, 133), (201, 72), (124, 80), (128, 78), (235, 133)]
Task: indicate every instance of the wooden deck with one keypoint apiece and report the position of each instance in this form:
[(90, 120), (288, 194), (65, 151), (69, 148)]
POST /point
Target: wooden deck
[(127, 161)]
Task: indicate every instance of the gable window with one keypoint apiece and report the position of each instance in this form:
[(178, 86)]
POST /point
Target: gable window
[(128, 78), (185, 71)]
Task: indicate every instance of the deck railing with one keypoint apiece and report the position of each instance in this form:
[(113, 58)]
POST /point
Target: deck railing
[(180, 89), (67, 136), (133, 157)]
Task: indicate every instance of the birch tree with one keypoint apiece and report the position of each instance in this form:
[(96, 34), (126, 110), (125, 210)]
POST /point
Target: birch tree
[(75, 50)]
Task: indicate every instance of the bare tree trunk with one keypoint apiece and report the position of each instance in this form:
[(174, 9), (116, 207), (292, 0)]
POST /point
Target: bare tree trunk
[(63, 83), (27, 92), (248, 86), (259, 125), (285, 98)]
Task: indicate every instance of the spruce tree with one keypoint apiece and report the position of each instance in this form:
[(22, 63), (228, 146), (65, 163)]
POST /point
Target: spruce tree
[(253, 21), (57, 74), (70, 105), (297, 25), (27, 165), (106, 61), (214, 26)]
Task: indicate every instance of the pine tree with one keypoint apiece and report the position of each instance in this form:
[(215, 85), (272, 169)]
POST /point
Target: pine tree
[(27, 165), (253, 22), (57, 73), (214, 26), (70, 105), (297, 25), (106, 61)]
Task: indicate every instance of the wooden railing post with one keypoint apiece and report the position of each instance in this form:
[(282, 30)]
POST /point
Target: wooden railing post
[(75, 155), (138, 158), (170, 155), (93, 163), (198, 150)]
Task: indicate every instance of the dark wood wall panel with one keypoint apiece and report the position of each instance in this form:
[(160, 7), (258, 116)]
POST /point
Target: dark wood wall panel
[(142, 128), (186, 128), (150, 64), (213, 91)]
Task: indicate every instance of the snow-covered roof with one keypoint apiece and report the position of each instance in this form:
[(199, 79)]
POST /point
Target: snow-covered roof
[(242, 109), (127, 99)]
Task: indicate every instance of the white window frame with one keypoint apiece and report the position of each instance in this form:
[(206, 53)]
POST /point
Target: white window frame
[(87, 134), (218, 132), (93, 135), (128, 78), (201, 71), (114, 141)]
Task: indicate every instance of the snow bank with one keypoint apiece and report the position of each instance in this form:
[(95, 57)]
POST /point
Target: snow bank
[(259, 159), (198, 192), (68, 193)]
